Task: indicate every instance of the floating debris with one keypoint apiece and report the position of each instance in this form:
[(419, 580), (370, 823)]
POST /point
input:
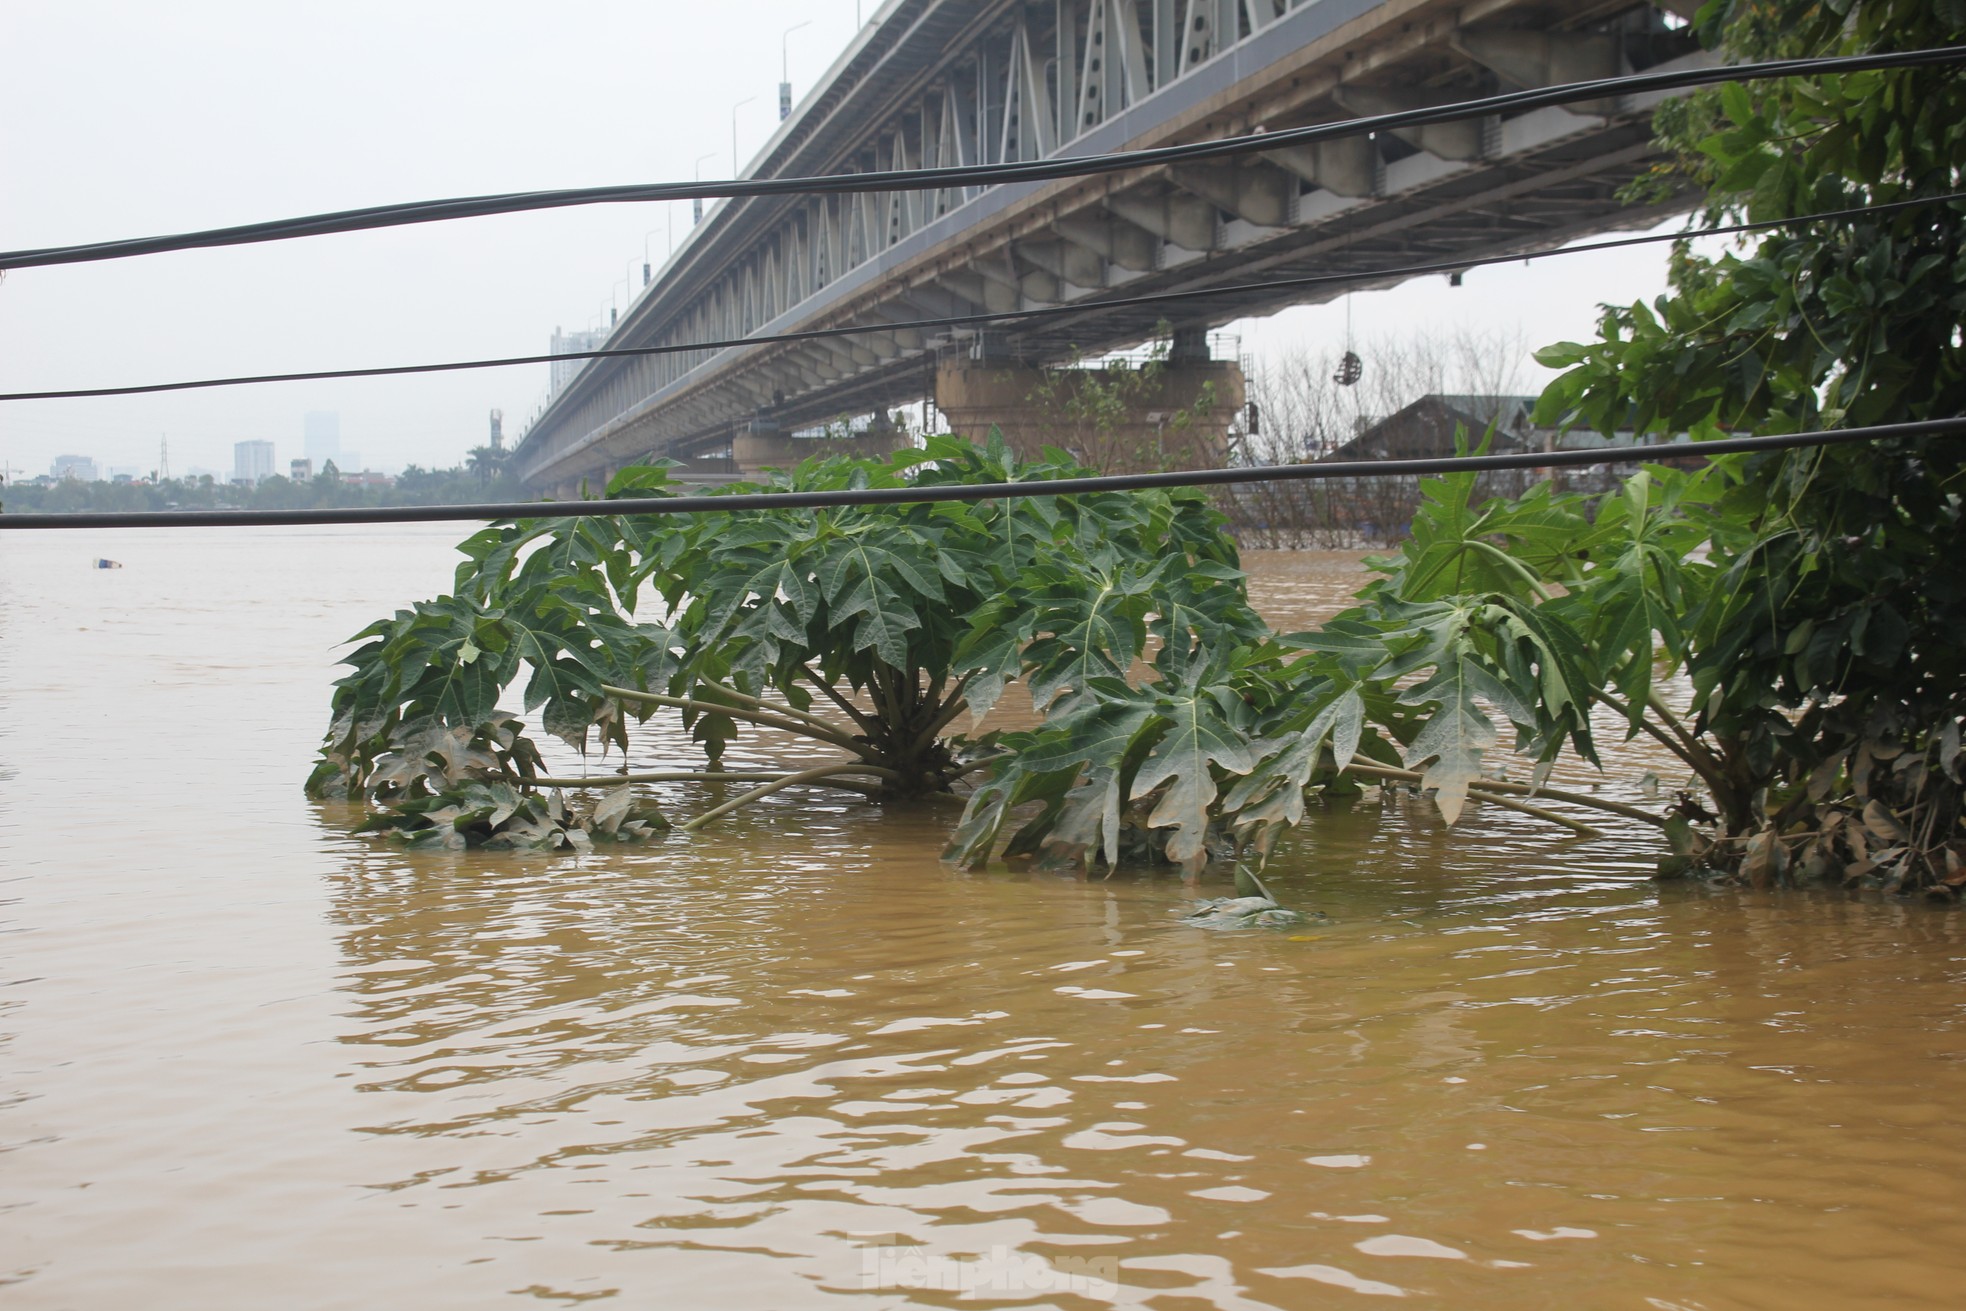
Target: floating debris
[(1245, 913), (108, 564)]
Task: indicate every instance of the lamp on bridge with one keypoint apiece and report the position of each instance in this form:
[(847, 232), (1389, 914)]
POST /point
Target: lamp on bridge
[(785, 71), (696, 202), (733, 131)]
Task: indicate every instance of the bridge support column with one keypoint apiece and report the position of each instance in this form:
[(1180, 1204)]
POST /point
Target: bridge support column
[(1167, 414), (590, 486)]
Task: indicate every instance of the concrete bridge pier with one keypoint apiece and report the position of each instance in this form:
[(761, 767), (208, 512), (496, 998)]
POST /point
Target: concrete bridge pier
[(594, 486), (1168, 413), (763, 445)]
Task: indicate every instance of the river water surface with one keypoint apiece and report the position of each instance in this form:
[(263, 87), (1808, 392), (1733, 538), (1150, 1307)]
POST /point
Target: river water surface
[(250, 1060)]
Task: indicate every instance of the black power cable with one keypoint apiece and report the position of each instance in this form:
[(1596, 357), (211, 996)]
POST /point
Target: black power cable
[(1001, 316), (931, 179), (1324, 469)]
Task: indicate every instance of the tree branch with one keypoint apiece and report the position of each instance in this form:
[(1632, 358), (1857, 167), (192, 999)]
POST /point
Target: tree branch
[(812, 775), (1703, 764), (1692, 743), (976, 765), (1491, 787), (757, 703), (1537, 812), (830, 735), (669, 776), (854, 712), (951, 708)]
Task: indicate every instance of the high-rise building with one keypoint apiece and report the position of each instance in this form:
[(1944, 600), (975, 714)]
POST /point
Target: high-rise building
[(82, 468), (565, 343), (252, 462), (323, 437)]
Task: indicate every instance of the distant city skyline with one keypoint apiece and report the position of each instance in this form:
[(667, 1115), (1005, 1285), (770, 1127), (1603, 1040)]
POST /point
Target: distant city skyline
[(321, 436), (252, 461), (566, 343)]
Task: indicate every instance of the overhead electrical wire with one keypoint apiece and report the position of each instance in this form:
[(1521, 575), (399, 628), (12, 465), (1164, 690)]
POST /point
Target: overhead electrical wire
[(930, 179), (653, 505), (999, 316)]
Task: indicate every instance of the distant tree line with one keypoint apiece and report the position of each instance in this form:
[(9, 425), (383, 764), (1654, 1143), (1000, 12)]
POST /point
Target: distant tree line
[(1308, 412), (484, 477)]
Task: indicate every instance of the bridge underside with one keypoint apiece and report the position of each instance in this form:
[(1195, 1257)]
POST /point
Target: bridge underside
[(1444, 193)]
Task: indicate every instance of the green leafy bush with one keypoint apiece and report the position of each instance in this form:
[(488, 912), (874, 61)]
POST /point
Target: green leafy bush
[(1828, 670), (1176, 726)]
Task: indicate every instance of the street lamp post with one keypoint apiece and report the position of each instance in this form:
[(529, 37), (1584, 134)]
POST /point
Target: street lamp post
[(733, 132), (668, 226), (696, 202), (785, 70)]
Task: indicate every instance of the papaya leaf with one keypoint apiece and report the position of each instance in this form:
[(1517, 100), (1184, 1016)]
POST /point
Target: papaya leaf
[(1449, 747), (1206, 733)]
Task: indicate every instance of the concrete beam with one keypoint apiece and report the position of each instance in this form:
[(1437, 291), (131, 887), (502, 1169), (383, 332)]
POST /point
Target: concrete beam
[(1185, 220), (1065, 260), (1001, 267), (925, 302), (819, 361), (1448, 140), (983, 293), (755, 386), (997, 267), (801, 366), (1535, 59), (852, 359), (1123, 243), (1348, 166), (973, 290), (1259, 193)]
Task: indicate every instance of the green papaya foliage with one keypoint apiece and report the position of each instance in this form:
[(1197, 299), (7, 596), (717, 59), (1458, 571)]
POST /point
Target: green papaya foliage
[(874, 631), (1481, 624), (1174, 724)]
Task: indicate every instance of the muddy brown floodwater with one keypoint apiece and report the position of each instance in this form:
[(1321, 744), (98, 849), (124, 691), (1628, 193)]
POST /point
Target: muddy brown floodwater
[(248, 1060)]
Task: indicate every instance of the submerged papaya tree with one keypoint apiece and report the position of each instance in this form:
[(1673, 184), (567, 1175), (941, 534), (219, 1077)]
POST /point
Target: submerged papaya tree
[(1176, 725), (854, 629)]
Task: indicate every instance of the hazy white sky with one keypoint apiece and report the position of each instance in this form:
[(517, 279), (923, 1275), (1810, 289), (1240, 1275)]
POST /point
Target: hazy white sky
[(133, 118)]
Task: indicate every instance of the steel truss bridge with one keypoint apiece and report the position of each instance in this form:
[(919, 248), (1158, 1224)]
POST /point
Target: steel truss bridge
[(931, 83)]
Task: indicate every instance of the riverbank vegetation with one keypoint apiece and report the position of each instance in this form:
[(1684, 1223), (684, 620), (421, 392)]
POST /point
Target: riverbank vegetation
[(480, 480), (1825, 655), (1300, 410), (886, 634)]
